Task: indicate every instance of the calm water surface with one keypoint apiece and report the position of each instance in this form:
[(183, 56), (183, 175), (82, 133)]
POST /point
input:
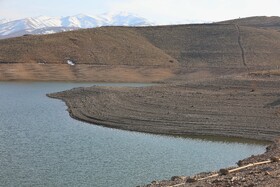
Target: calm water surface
[(40, 145)]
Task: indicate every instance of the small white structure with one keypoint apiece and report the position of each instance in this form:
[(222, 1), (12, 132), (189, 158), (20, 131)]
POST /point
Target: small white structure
[(70, 62)]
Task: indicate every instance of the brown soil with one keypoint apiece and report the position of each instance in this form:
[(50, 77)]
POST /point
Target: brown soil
[(238, 105), (264, 22), (169, 47), (222, 80), (112, 54), (232, 106), (84, 72), (99, 46)]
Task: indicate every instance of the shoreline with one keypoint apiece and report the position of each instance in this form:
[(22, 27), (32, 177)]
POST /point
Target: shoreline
[(194, 135), (189, 109)]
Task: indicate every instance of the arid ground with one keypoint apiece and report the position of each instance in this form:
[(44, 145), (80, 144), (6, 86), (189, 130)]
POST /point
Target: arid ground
[(241, 105), (219, 79)]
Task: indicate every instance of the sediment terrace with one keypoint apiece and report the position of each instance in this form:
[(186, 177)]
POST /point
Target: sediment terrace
[(245, 106), (239, 107)]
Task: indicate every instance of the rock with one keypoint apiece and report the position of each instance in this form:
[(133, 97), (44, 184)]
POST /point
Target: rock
[(217, 180), (233, 179), (174, 178), (224, 171), (155, 182), (267, 169), (251, 185), (191, 180), (275, 159), (240, 163), (267, 173)]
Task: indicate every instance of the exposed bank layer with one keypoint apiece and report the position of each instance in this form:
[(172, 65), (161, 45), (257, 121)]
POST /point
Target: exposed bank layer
[(230, 107), (238, 106)]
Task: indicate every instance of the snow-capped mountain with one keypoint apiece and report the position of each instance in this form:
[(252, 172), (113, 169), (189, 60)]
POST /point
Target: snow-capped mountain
[(125, 19), (190, 21), (48, 25), (4, 21), (83, 21)]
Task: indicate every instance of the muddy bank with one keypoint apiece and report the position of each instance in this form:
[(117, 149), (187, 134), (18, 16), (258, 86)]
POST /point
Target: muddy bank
[(83, 72), (237, 106)]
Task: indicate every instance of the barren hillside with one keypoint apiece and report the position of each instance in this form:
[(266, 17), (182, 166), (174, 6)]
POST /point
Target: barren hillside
[(217, 44), (112, 54), (264, 22), (142, 54), (100, 46)]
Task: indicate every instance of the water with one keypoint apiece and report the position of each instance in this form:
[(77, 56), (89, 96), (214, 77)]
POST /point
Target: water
[(40, 145)]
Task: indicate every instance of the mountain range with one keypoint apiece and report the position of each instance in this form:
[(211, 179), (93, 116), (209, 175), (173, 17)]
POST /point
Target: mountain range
[(48, 25)]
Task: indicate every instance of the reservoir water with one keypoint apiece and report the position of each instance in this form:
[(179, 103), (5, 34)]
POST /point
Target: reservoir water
[(41, 145)]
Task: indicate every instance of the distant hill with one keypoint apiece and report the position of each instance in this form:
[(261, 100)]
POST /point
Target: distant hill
[(272, 22), (100, 46), (106, 54), (226, 45)]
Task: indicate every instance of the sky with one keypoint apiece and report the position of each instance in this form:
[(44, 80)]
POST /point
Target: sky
[(157, 11)]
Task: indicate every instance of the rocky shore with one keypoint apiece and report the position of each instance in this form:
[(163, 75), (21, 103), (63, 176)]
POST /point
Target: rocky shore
[(245, 106)]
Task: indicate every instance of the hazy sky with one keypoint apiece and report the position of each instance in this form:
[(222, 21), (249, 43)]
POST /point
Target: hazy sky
[(158, 11)]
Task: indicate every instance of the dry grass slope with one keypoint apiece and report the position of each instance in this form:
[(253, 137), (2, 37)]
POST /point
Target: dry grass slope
[(111, 54), (216, 44), (146, 52), (264, 22), (100, 46)]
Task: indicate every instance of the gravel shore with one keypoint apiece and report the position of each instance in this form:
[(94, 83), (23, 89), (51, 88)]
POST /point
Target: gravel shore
[(236, 106)]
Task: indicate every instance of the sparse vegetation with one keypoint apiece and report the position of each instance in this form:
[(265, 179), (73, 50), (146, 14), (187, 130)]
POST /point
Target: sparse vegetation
[(173, 47), (214, 69)]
